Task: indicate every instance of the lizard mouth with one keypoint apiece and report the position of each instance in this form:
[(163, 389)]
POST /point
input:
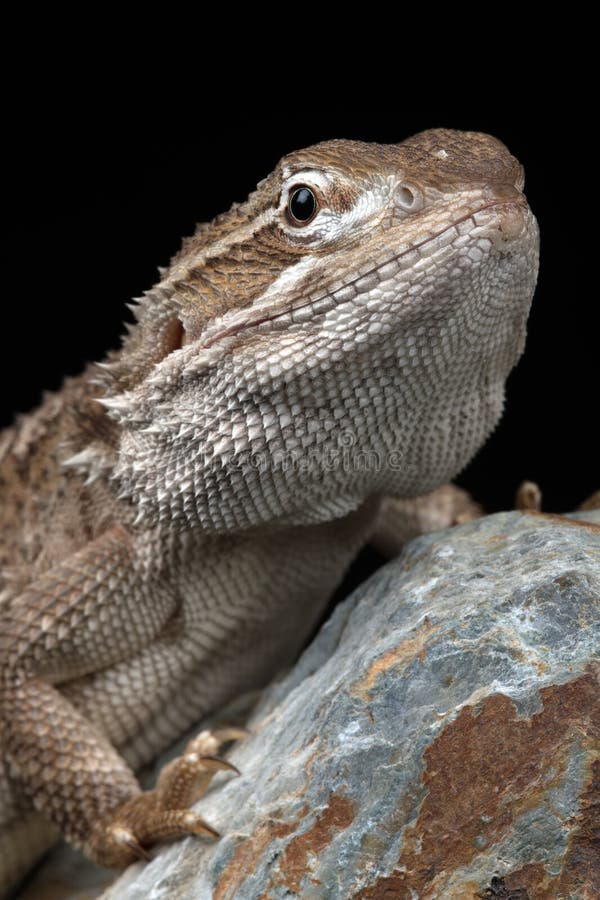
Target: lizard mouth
[(513, 206)]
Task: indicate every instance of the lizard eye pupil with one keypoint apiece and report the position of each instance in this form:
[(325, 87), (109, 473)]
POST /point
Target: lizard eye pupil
[(302, 205)]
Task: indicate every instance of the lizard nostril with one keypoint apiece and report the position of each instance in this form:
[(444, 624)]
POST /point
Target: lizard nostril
[(498, 191), (408, 198)]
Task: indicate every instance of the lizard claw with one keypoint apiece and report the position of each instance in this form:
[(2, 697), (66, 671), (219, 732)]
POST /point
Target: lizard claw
[(231, 733), (199, 826), (126, 838), (216, 763)]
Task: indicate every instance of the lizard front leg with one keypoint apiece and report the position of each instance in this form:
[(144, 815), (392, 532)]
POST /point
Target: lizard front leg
[(91, 611)]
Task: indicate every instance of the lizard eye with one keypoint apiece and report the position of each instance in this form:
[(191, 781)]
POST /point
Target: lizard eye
[(302, 205)]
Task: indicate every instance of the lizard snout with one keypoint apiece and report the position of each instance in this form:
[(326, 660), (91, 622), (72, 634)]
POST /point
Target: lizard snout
[(510, 215)]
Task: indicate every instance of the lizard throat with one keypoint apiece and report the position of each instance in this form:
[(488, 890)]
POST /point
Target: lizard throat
[(362, 283)]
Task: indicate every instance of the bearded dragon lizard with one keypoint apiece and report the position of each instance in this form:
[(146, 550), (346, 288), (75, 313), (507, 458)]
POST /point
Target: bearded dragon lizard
[(174, 520)]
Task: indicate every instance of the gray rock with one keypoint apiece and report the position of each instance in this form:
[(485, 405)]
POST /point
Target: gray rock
[(438, 739)]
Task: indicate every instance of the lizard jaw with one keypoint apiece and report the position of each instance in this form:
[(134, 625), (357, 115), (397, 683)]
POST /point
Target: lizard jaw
[(509, 215)]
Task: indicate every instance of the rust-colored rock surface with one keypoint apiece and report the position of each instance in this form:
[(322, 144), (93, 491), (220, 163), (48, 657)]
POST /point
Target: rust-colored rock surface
[(439, 739)]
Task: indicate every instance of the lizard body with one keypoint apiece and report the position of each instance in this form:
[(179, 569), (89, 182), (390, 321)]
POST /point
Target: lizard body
[(174, 521)]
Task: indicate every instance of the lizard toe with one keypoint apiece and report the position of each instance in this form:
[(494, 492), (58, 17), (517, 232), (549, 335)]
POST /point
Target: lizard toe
[(137, 826), (183, 780)]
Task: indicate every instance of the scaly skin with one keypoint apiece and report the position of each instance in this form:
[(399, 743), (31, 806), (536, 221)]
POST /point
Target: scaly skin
[(175, 543)]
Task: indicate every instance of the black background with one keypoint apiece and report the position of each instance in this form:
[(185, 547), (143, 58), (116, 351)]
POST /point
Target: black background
[(101, 185)]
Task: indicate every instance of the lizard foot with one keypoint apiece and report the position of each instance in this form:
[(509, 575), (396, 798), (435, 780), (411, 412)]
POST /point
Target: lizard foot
[(163, 813)]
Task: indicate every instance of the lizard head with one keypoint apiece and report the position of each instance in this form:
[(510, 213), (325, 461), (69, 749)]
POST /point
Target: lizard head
[(347, 330)]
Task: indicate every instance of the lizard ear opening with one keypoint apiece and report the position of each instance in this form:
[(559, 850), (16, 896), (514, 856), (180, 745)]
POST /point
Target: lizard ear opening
[(173, 337)]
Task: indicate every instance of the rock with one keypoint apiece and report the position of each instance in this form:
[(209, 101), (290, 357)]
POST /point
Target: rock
[(439, 738)]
